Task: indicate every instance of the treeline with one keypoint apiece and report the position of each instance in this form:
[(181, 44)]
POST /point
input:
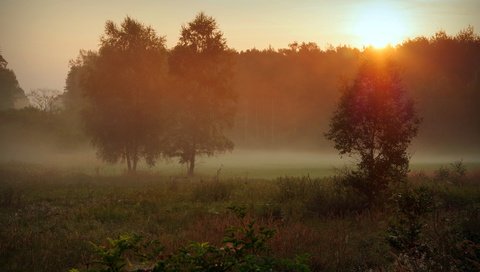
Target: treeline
[(11, 94), (287, 96), (209, 97)]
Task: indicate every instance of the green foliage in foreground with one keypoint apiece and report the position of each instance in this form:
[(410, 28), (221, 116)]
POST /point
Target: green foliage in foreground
[(244, 248), (410, 208), (49, 219), (442, 244)]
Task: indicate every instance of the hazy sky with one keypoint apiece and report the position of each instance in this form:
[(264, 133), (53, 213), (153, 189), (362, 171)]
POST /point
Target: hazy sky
[(38, 38)]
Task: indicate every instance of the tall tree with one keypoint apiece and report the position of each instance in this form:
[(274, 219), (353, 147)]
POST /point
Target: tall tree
[(201, 63), (375, 120), (10, 91), (124, 85), (73, 98)]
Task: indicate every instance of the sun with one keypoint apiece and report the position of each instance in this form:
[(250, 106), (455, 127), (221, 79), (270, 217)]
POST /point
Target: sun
[(379, 25)]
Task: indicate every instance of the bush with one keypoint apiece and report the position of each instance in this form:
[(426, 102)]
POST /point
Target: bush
[(449, 243), (458, 198), (410, 207), (244, 248), (455, 173), (124, 250)]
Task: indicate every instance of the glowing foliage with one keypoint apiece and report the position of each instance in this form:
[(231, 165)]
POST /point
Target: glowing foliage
[(123, 84), (201, 65), (375, 120)]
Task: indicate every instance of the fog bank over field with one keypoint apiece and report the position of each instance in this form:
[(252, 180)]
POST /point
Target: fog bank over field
[(243, 163), (285, 100)]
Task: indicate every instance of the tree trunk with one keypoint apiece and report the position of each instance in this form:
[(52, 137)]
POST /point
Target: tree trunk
[(372, 175), (371, 158), (191, 164), (272, 121), (134, 165), (129, 163)]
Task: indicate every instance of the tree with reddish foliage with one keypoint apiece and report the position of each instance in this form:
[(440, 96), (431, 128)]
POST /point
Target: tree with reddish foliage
[(376, 121)]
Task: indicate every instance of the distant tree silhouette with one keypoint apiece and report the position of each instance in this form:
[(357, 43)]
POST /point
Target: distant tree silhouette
[(201, 64), (124, 85), (74, 100), (279, 97), (10, 91), (375, 120), (443, 74), (45, 99), (3, 62)]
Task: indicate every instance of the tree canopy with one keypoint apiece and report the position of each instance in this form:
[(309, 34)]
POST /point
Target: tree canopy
[(282, 92), (124, 85), (375, 120), (202, 68), (10, 91)]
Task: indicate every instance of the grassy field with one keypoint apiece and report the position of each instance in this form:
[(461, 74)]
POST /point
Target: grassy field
[(50, 216), (238, 164)]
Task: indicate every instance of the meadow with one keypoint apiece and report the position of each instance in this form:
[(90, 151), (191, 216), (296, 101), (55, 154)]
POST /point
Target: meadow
[(50, 216), (105, 168)]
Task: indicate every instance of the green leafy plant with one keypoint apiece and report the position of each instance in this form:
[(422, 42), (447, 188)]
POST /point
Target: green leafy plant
[(128, 250), (244, 248), (410, 208)]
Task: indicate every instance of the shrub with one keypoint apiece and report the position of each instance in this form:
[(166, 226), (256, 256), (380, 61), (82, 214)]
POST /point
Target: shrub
[(410, 207), (124, 250), (455, 173), (362, 188), (450, 243), (244, 248)]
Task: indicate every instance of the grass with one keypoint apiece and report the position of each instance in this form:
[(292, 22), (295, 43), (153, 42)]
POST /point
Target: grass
[(49, 216), (238, 164)]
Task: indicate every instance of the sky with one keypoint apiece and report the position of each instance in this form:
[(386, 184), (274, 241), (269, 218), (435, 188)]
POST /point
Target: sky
[(39, 38)]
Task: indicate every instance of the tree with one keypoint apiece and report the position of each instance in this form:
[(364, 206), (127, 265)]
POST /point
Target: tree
[(201, 64), (3, 62), (376, 120), (124, 84), (73, 99), (45, 100), (10, 91)]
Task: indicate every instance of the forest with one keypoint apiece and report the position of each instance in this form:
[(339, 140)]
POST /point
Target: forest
[(86, 179), (284, 98)]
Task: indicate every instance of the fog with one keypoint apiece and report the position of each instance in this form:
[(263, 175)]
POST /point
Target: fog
[(284, 100), (240, 163)]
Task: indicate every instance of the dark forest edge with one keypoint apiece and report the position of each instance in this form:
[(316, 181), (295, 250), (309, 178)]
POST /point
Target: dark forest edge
[(278, 96), (134, 100)]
